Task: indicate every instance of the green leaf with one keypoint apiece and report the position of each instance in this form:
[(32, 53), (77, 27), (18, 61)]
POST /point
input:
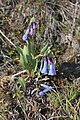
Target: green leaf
[(33, 64), (78, 117), (33, 48), (36, 65), (44, 49), (23, 62), (30, 54), (67, 107), (28, 44), (26, 50), (32, 20), (20, 51), (22, 82), (48, 50), (17, 89), (26, 53)]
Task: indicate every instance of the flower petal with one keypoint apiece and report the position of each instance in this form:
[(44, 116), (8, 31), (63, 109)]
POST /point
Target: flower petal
[(31, 31), (34, 26)]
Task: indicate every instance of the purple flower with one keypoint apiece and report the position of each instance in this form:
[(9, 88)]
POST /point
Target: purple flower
[(25, 36), (47, 88), (34, 25), (52, 70), (31, 31), (44, 70)]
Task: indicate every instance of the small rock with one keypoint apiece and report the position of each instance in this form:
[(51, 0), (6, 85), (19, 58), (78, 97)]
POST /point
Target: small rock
[(69, 70)]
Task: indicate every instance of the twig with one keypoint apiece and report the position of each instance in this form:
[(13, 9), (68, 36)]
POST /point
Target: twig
[(2, 39), (19, 73), (57, 117), (74, 18), (7, 39), (41, 55)]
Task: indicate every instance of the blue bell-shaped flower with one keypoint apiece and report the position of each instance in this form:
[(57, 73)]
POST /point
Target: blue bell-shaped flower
[(52, 70), (41, 66), (45, 90), (44, 70), (25, 36)]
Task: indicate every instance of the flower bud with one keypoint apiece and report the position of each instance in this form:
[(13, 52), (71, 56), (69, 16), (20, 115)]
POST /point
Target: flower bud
[(34, 25), (25, 36), (31, 31)]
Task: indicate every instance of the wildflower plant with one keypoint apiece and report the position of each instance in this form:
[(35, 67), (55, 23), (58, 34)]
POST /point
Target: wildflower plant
[(27, 55)]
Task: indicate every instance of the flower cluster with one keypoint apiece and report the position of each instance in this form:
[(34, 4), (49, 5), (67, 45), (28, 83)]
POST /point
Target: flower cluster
[(47, 67), (30, 30)]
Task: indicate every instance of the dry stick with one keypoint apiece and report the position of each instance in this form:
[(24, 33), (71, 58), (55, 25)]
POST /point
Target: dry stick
[(19, 73), (7, 39), (74, 18), (41, 55), (58, 117)]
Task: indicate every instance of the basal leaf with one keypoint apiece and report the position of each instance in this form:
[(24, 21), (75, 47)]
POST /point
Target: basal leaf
[(23, 62), (26, 50), (20, 51), (36, 65)]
